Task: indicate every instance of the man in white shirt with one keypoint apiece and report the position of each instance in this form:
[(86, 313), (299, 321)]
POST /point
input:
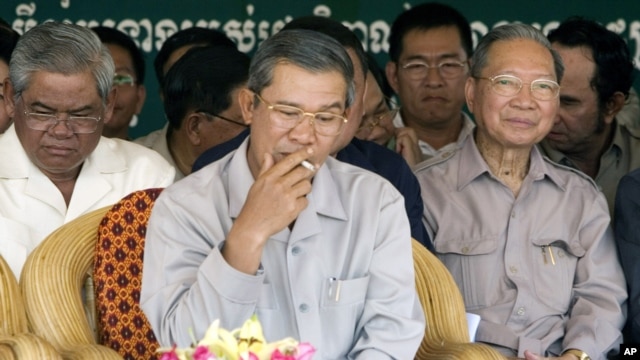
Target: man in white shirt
[(56, 166)]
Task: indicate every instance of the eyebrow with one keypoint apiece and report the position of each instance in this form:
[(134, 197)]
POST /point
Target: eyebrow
[(41, 105), (336, 105), (444, 56)]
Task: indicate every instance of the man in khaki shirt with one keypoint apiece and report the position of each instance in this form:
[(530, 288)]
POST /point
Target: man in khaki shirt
[(527, 240), (595, 132)]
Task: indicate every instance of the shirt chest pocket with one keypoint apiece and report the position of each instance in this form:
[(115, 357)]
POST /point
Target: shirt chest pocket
[(474, 266), (553, 270)]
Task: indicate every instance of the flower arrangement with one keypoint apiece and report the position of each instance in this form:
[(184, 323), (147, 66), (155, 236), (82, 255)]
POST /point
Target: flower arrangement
[(245, 343)]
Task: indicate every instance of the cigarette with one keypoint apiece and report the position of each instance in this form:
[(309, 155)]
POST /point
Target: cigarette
[(308, 165)]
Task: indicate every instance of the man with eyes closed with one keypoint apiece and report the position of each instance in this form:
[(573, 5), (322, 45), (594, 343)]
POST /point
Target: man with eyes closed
[(527, 240), (56, 166)]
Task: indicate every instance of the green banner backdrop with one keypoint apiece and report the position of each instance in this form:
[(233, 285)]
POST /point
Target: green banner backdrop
[(248, 23)]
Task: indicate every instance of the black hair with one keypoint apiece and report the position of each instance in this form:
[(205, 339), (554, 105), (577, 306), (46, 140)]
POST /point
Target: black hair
[(379, 76), (428, 16), (203, 80), (190, 36), (116, 37), (614, 70), (8, 40)]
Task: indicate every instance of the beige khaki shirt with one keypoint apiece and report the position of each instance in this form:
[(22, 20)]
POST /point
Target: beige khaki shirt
[(540, 269)]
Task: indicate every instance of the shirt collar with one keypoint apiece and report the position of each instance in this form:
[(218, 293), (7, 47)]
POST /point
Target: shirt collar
[(472, 165)]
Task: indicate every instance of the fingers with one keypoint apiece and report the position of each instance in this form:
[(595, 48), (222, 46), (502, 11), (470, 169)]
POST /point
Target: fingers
[(294, 161)]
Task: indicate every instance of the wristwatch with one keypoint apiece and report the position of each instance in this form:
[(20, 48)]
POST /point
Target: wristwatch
[(579, 353)]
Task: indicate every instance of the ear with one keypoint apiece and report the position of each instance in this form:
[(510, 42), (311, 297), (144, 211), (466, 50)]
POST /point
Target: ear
[(192, 125), (142, 96), (470, 92), (9, 94), (111, 102), (246, 99), (613, 107), (391, 70)]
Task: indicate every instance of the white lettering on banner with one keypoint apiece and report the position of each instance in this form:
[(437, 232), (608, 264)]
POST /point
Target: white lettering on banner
[(250, 32)]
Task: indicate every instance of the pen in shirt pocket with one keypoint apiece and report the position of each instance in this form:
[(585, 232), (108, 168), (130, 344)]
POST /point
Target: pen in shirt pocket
[(334, 289), (544, 254)]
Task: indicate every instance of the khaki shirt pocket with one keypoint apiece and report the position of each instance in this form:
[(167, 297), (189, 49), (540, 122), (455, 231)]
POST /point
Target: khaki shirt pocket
[(553, 267), (473, 265)]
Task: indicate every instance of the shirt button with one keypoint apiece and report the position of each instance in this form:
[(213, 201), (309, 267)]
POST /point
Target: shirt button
[(296, 250), (303, 308), (521, 311), (513, 269), (465, 249), (513, 214)]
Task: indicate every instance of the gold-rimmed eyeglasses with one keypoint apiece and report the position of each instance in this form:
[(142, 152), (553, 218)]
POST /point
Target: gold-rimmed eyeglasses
[(288, 117), (44, 121), (370, 121), (449, 69), (509, 85)]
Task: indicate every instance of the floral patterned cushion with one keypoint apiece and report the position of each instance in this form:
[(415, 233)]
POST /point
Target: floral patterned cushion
[(121, 323)]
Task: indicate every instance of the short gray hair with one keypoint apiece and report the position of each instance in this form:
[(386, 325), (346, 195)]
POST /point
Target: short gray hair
[(61, 48), (512, 32), (310, 50)]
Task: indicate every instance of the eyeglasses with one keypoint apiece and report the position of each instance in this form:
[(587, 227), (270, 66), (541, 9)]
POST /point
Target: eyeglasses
[(370, 122), (509, 85), (208, 114), (77, 124), (449, 69), (288, 117), (123, 79)]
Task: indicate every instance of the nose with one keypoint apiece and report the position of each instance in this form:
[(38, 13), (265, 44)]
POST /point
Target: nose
[(304, 131), (61, 128), (433, 76), (524, 98)]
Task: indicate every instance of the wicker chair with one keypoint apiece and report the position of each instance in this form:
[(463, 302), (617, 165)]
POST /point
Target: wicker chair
[(446, 334), (52, 281), (15, 341), (105, 248)]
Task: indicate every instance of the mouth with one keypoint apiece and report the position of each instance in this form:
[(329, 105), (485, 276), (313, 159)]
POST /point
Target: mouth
[(432, 98), (521, 122), (58, 150)]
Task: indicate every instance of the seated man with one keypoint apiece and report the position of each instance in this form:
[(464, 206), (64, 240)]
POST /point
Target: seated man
[(347, 148), (169, 141), (201, 102), (429, 49), (8, 40), (527, 240), (275, 227), (128, 81), (595, 132), (627, 226), (55, 165)]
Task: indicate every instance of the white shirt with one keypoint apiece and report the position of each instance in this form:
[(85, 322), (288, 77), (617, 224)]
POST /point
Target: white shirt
[(31, 206)]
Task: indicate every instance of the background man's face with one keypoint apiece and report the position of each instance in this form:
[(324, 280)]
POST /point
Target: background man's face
[(432, 99), (579, 117)]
